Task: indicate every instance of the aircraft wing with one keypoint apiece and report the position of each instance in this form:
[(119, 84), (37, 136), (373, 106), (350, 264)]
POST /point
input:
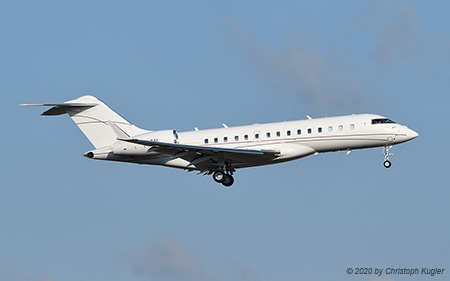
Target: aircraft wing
[(230, 153)]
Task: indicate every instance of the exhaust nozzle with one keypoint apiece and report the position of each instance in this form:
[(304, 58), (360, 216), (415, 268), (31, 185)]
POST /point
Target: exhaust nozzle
[(89, 154)]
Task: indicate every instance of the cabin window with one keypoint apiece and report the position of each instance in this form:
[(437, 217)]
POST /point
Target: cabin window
[(256, 136), (246, 137), (225, 139), (330, 129), (352, 126), (216, 140), (206, 140), (319, 130), (278, 134), (268, 135), (309, 131), (299, 132), (236, 138), (341, 127), (288, 133)]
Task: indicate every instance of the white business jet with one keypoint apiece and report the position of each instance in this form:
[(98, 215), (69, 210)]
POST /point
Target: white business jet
[(221, 151)]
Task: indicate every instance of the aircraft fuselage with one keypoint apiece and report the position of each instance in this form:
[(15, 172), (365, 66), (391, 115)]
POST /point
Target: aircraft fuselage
[(294, 139)]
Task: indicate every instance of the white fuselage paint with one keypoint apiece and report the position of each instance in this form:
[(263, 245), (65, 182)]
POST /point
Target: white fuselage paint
[(316, 136)]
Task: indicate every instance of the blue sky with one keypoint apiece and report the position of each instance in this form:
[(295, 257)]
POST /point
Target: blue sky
[(180, 65)]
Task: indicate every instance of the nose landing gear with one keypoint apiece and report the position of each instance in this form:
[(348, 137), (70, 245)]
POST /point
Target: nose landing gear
[(387, 163)]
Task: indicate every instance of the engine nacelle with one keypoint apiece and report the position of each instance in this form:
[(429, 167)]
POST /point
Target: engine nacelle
[(127, 148), (169, 136)]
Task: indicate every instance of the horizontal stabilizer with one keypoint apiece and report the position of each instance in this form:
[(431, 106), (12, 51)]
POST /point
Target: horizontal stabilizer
[(59, 108), (60, 104)]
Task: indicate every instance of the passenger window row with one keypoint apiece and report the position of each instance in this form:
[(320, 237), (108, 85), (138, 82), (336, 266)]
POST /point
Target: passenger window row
[(278, 133)]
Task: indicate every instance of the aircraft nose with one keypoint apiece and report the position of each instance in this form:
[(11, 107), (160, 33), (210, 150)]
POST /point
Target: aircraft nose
[(413, 134)]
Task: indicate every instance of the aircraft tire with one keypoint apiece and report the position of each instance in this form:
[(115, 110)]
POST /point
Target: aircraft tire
[(219, 176), (387, 164), (228, 180)]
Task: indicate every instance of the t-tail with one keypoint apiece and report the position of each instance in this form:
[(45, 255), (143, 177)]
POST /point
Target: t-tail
[(95, 119)]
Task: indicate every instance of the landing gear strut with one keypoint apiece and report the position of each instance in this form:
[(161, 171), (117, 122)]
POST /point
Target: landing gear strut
[(387, 163), (224, 176)]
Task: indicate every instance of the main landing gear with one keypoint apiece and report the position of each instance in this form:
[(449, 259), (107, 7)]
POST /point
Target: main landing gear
[(387, 163), (224, 178)]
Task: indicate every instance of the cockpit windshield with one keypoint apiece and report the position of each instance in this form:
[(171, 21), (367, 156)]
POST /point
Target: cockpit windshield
[(382, 121)]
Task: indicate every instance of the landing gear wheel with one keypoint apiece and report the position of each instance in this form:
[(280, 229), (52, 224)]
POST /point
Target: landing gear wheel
[(219, 176), (228, 180), (387, 163)]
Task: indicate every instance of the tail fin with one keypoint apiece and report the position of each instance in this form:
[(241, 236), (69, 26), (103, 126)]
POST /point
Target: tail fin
[(95, 119)]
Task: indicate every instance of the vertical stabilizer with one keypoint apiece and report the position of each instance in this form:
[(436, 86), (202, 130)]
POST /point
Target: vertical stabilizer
[(94, 118)]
